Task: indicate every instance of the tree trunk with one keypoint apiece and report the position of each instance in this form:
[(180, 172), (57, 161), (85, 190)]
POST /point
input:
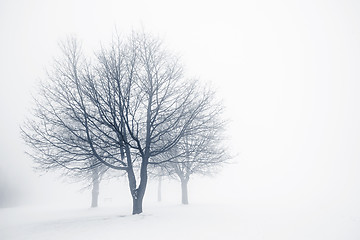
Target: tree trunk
[(138, 196), (159, 190), (184, 192), (138, 193), (137, 205), (95, 188)]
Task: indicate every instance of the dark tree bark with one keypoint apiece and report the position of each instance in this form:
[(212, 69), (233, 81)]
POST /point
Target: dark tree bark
[(140, 192), (137, 194), (138, 197)]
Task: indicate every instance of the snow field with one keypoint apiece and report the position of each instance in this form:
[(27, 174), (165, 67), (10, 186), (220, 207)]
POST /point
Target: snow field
[(166, 221)]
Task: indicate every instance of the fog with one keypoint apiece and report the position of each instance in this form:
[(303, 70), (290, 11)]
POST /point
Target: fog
[(287, 72)]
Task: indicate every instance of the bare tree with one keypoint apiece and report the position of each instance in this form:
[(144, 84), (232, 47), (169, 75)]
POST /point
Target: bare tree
[(90, 178), (200, 151), (56, 133), (142, 97), (93, 179), (132, 105)]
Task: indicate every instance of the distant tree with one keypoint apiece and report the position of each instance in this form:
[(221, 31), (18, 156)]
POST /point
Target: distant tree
[(56, 134), (201, 152), (131, 105), (157, 174), (10, 193), (92, 178)]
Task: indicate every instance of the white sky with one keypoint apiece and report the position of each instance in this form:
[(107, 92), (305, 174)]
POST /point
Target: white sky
[(288, 72)]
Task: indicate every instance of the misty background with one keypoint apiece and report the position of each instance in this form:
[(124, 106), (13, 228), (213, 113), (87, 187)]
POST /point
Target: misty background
[(287, 71)]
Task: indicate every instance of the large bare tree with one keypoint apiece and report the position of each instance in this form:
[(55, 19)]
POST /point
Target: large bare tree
[(131, 104)]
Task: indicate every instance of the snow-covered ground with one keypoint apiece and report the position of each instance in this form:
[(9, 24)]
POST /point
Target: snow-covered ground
[(169, 221)]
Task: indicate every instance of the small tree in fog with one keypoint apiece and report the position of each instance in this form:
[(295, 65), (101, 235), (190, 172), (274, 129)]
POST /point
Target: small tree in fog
[(200, 152), (90, 178), (56, 132), (93, 178), (127, 107)]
